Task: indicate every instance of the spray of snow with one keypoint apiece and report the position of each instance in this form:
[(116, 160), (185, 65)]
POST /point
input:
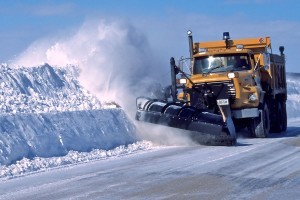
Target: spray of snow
[(293, 101), (116, 63), (114, 57)]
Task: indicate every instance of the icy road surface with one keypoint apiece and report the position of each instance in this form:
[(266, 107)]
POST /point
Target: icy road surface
[(254, 169)]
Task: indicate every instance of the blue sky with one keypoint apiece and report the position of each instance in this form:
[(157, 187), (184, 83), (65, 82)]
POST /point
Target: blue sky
[(163, 22)]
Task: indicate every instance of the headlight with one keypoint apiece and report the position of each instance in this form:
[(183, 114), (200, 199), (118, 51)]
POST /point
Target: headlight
[(233, 75), (252, 97), (182, 81)]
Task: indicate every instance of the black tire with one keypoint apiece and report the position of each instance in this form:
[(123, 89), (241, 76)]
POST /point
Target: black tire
[(260, 126), (277, 123), (284, 117)]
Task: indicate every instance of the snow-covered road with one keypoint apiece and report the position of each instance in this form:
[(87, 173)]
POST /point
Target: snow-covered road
[(58, 141), (254, 169)]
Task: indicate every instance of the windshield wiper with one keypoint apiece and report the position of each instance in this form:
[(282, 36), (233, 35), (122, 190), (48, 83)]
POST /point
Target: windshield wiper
[(211, 69)]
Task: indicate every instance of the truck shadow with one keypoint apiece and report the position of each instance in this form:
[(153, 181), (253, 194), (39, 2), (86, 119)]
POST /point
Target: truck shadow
[(291, 131)]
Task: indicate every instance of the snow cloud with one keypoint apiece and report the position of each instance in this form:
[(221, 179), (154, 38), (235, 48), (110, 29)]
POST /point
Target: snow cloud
[(115, 59)]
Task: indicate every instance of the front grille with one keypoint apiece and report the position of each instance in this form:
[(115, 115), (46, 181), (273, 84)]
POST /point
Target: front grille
[(204, 95), (231, 92)]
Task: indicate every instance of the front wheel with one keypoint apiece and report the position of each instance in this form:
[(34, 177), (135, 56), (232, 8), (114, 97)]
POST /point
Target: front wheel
[(259, 127)]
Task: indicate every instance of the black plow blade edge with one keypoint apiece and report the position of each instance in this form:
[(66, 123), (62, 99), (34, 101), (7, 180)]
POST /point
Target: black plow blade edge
[(202, 131)]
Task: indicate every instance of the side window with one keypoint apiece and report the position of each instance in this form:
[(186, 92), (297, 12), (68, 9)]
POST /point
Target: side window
[(243, 63), (200, 65), (231, 61)]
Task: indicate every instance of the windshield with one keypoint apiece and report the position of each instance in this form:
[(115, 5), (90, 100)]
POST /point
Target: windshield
[(221, 63)]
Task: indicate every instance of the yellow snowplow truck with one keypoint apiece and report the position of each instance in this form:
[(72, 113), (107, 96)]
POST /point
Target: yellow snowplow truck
[(232, 85)]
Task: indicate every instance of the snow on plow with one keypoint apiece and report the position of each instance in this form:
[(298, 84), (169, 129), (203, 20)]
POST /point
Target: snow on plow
[(203, 127)]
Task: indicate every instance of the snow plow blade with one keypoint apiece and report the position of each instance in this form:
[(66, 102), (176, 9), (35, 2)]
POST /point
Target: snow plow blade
[(203, 127)]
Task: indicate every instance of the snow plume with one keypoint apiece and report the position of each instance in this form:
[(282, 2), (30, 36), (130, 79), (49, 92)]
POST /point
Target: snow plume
[(114, 57)]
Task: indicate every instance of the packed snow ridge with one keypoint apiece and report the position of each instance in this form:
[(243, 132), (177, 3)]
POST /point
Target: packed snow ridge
[(45, 112), (293, 102), (27, 166), (43, 89)]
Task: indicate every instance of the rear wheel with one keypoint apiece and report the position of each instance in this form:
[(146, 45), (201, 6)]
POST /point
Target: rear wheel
[(260, 126), (277, 122), (284, 117)]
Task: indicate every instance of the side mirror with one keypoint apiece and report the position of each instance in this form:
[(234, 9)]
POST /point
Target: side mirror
[(266, 67), (261, 67)]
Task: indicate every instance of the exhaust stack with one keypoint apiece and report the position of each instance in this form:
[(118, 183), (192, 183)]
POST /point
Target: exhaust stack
[(226, 37), (281, 49), (190, 38)]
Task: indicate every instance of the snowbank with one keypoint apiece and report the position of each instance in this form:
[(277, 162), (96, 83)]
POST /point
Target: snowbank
[(27, 166), (45, 112), (54, 134), (43, 89), (293, 101)]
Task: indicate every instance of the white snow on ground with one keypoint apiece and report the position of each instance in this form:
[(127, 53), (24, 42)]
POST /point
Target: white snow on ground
[(47, 120), (26, 166), (45, 112), (43, 89), (293, 102), (54, 134)]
